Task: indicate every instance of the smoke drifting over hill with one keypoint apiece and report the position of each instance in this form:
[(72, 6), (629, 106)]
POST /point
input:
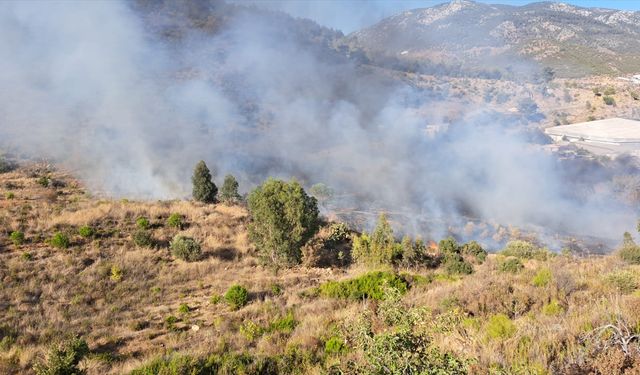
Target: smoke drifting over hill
[(93, 86)]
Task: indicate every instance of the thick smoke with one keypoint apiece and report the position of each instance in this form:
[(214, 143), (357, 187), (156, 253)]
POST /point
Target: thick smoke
[(98, 88)]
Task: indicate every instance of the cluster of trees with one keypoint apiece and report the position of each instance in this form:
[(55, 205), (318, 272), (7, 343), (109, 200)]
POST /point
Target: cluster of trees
[(205, 190), (381, 248), (284, 218)]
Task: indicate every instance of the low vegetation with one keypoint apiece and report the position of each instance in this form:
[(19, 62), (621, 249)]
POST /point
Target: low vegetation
[(201, 298)]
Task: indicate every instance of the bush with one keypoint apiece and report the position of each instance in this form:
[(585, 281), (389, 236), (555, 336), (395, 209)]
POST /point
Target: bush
[(542, 278), (630, 254), (9, 195), (500, 327), (215, 299), (60, 240), (229, 191), (170, 322), (86, 231), (475, 250), (27, 256), (183, 308), (236, 297), (338, 232), (283, 219), (524, 250), (625, 282), (456, 265), (511, 265), (175, 221), (142, 223), (609, 100), (370, 285), (276, 289), (17, 238), (204, 190), (185, 248), (63, 358), (335, 345), (553, 308), (43, 181), (142, 238), (377, 249), (116, 273)]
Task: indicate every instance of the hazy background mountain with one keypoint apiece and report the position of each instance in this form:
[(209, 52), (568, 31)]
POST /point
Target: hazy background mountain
[(466, 36)]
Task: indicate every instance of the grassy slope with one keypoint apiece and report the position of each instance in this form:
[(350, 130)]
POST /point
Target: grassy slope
[(58, 292)]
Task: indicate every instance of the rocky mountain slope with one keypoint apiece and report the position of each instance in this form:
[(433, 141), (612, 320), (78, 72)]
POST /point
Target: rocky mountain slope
[(470, 35)]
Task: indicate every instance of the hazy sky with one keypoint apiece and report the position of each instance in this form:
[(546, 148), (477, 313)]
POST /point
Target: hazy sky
[(351, 15)]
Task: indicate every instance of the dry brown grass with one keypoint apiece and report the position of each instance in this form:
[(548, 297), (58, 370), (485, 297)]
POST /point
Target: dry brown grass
[(60, 292)]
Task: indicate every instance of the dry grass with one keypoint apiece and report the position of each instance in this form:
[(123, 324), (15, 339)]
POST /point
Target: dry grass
[(60, 292)]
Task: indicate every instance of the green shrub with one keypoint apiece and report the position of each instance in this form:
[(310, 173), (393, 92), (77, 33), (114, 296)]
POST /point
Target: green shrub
[(370, 285), (609, 100), (475, 250), (524, 250), (283, 219), (185, 248), (86, 231), (552, 308), (610, 91), (183, 308), (455, 264), (63, 358), (9, 195), (170, 322), (215, 299), (60, 240), (624, 281), (335, 345), (284, 324), (378, 248), (175, 221), (142, 238), (250, 330), (338, 232), (236, 297), (542, 278), (142, 223), (276, 289), (630, 254), (511, 265), (116, 273), (43, 181), (27, 256), (17, 237), (500, 327)]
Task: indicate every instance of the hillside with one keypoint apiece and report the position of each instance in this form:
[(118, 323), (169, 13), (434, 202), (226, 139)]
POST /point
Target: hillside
[(136, 305), (470, 36)]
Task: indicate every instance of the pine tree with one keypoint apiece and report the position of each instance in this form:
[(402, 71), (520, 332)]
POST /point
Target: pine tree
[(229, 190), (204, 190)]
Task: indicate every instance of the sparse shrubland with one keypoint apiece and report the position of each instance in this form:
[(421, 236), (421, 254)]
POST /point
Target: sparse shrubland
[(445, 309)]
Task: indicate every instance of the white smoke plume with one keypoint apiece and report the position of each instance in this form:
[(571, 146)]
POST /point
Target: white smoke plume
[(97, 87)]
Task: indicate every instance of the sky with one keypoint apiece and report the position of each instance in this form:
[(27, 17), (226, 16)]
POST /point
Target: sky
[(352, 15)]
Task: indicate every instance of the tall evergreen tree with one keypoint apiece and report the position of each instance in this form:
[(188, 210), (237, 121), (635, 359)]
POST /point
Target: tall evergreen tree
[(229, 190), (204, 190)]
